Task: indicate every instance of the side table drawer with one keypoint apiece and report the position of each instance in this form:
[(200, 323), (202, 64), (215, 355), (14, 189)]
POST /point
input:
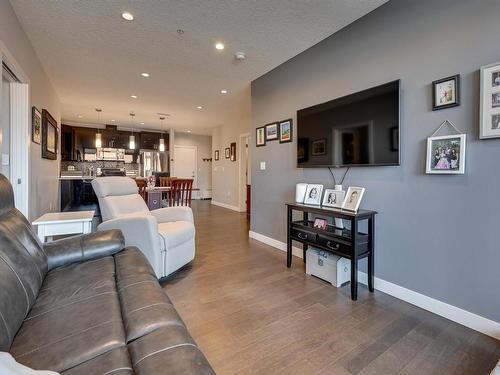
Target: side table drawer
[(304, 235), (334, 245)]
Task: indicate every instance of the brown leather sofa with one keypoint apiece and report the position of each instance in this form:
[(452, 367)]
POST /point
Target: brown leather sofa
[(86, 305)]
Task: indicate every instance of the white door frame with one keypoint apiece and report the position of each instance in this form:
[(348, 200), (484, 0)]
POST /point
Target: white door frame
[(20, 135), (241, 198), (195, 180)]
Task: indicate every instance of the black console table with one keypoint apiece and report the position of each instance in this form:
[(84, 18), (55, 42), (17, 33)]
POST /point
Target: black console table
[(350, 244)]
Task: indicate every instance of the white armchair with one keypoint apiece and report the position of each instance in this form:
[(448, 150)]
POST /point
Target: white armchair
[(165, 236)]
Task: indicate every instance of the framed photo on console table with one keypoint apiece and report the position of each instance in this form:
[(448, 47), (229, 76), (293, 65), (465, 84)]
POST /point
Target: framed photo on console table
[(333, 198), (446, 154), (313, 194), (353, 198), (489, 110)]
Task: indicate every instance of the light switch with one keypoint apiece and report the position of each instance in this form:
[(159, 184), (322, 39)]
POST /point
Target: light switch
[(262, 165), (5, 159)]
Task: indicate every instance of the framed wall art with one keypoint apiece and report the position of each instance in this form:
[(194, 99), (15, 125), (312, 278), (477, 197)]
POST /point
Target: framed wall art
[(260, 136), (49, 136), (36, 125), (216, 155), (285, 131), (446, 92), (227, 153), (232, 151), (272, 132), (446, 154), (489, 97)]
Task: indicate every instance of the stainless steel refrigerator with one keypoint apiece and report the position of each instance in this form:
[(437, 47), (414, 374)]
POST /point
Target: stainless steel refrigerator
[(152, 161)]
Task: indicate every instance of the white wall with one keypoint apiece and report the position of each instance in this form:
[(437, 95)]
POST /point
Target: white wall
[(44, 183), (204, 145), (225, 173)]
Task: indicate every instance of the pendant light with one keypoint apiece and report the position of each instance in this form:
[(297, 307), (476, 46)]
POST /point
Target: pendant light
[(162, 141), (98, 136), (131, 139)]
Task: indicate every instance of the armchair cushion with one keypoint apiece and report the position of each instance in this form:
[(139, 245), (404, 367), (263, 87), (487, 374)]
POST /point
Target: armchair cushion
[(82, 248), (175, 233)]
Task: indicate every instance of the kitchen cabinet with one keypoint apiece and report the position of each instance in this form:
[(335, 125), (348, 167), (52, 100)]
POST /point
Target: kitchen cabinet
[(67, 143), (149, 140)]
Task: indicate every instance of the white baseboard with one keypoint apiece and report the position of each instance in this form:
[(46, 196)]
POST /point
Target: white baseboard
[(225, 205), (453, 313)]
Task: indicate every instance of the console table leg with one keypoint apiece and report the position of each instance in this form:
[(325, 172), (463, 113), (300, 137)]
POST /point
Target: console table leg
[(354, 279), (371, 257), (289, 239), (305, 219)]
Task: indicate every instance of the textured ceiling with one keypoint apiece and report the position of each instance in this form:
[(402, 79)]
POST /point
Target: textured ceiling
[(94, 58)]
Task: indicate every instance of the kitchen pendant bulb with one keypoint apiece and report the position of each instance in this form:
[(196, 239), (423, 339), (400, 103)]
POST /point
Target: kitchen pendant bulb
[(98, 140), (131, 144), (162, 145)]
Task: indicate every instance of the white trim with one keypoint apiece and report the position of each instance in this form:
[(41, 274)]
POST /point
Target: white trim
[(298, 252), (453, 313), (225, 205), (242, 206)]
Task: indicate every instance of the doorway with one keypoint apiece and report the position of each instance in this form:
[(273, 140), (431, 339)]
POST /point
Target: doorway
[(186, 166), (5, 155), (244, 173)]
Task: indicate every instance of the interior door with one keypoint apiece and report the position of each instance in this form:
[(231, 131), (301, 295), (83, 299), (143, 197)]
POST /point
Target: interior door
[(186, 165)]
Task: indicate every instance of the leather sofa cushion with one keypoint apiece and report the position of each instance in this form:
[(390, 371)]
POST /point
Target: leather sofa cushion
[(115, 362), (175, 233), (131, 262), (69, 335), (169, 348)]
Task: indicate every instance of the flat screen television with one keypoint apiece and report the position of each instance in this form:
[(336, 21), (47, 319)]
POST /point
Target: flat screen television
[(361, 129)]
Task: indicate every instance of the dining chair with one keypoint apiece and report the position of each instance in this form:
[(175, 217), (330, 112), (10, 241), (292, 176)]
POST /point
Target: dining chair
[(166, 182), (141, 184), (180, 192)]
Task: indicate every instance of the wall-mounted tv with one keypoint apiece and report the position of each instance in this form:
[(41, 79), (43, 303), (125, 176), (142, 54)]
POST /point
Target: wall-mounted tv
[(360, 129)]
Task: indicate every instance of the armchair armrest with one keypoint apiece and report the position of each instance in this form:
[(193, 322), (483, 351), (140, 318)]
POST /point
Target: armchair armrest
[(82, 248), (176, 213), (140, 230)]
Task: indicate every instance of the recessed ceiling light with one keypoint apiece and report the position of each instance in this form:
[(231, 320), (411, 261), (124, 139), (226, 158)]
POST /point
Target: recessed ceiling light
[(145, 75), (189, 131), (219, 46), (127, 16), (134, 96), (223, 91), (80, 116), (112, 120), (199, 107), (142, 123)]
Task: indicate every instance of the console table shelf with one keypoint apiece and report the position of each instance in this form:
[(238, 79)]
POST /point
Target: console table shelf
[(351, 244)]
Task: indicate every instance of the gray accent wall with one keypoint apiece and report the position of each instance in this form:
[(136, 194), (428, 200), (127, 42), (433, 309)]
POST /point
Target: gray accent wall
[(436, 234)]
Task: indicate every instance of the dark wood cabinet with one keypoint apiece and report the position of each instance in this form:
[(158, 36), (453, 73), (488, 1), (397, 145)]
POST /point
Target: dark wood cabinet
[(67, 141), (149, 140)]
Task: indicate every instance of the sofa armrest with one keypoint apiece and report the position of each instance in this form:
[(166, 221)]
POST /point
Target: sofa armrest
[(139, 230), (82, 248), (177, 213)]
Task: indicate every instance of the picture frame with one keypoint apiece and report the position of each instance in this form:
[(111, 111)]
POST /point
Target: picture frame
[(36, 125), (489, 101), (446, 92), (318, 147), (49, 136), (260, 136), (286, 131), (333, 198), (272, 131), (353, 198), (232, 153), (227, 153), (216, 155), (446, 154), (313, 194), (320, 223)]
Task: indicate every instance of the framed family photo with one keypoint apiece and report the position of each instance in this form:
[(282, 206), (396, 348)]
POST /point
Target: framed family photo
[(446, 93), (272, 132), (216, 156), (227, 153), (489, 109), (285, 131), (353, 198), (333, 198), (446, 154), (313, 194)]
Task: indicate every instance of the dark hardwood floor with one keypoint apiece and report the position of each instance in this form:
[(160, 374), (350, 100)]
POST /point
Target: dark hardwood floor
[(252, 315)]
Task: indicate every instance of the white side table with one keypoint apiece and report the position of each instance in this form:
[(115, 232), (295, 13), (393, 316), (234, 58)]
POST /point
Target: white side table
[(60, 223)]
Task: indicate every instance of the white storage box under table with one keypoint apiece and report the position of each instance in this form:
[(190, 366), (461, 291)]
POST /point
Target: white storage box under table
[(328, 267), (60, 223)]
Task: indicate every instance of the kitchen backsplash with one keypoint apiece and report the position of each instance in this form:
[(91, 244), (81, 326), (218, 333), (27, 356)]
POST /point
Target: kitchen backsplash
[(85, 165)]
